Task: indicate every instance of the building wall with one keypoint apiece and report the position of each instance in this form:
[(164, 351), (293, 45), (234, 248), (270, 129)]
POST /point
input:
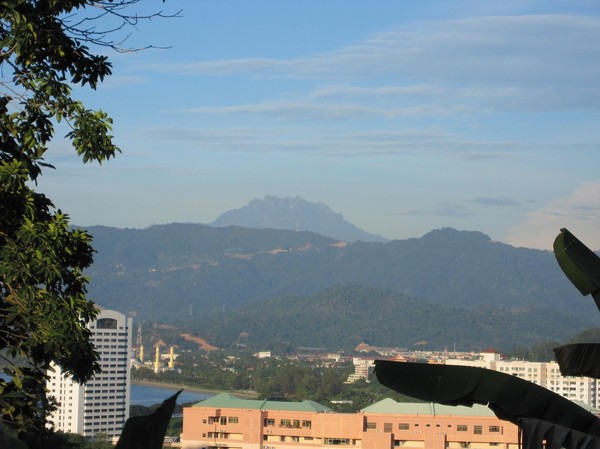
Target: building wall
[(102, 404), (207, 427), (547, 375)]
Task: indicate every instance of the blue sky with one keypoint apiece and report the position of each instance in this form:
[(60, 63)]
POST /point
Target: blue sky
[(403, 116)]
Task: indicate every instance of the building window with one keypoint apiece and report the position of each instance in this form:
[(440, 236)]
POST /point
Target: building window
[(307, 424), (223, 420), (233, 419), (478, 430), (461, 428), (371, 425), (106, 323), (296, 424), (403, 426), (494, 429), (269, 422), (387, 427), (398, 443), (285, 423), (337, 441)]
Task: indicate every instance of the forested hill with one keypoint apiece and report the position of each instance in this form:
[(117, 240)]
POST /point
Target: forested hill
[(170, 272), (343, 316)]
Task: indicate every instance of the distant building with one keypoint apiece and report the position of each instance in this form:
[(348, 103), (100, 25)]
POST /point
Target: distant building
[(544, 374), (363, 366), (102, 404), (227, 421)]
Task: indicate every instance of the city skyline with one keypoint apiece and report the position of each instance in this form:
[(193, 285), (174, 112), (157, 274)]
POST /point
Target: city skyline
[(405, 118)]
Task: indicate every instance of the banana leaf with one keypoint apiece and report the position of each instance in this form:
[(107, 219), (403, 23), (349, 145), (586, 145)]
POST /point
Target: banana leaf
[(579, 263), (509, 397), (580, 359), (536, 434), (148, 432)]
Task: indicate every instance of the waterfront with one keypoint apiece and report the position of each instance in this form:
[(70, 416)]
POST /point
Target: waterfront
[(147, 395)]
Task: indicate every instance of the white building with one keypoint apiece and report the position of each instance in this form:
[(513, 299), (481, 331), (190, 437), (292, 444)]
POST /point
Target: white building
[(362, 367), (547, 375), (102, 404)]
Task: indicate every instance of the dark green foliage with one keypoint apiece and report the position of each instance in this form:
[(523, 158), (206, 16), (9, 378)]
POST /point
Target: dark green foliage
[(204, 270), (544, 351), (587, 336), (344, 316), (539, 352), (43, 305), (271, 378)]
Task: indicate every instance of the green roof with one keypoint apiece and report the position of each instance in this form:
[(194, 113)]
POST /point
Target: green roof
[(226, 400), (426, 408)]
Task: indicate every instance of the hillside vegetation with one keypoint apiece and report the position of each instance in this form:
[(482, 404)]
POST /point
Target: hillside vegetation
[(468, 288), (343, 316)]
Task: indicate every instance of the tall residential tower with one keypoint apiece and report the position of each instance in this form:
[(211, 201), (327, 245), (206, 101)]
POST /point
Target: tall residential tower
[(102, 404)]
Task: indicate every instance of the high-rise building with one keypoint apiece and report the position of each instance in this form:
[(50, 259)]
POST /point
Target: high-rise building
[(102, 404), (544, 374)]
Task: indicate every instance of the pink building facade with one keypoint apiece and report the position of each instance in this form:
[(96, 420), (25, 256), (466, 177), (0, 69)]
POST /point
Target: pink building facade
[(225, 421)]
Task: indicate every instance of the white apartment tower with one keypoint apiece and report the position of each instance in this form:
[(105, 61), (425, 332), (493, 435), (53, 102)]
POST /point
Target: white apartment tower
[(102, 404), (545, 374)]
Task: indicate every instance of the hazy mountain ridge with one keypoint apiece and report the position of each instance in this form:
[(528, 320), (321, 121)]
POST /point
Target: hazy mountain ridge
[(180, 271), (295, 214)]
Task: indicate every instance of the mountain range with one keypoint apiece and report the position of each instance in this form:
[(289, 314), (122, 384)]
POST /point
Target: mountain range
[(218, 282)]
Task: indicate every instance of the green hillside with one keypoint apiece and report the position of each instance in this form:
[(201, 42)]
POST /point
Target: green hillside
[(343, 316), (174, 272)]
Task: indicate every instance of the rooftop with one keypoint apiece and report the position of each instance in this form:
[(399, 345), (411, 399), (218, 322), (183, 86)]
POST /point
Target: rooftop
[(226, 400), (385, 406), (426, 408)]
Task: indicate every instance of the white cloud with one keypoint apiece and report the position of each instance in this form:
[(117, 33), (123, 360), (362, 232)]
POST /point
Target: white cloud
[(338, 142), (472, 67), (311, 110), (507, 62), (579, 212), (116, 81)]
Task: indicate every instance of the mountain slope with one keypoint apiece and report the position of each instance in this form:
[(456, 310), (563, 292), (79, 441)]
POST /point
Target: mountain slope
[(343, 316), (172, 272), (294, 214)]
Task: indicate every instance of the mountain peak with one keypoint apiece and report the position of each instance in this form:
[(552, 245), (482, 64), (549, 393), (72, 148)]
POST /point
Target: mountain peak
[(297, 214)]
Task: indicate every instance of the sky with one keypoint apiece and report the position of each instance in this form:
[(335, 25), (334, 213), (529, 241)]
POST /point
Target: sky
[(403, 116)]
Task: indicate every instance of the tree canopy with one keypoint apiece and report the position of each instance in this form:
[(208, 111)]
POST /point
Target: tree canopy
[(46, 50)]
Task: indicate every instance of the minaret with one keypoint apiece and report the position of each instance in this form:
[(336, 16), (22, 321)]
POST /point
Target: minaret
[(171, 358), (157, 360)]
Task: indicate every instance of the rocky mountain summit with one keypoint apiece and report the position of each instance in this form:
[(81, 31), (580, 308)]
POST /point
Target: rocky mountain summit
[(294, 214)]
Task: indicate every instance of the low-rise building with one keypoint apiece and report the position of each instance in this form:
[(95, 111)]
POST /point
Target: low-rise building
[(225, 421)]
